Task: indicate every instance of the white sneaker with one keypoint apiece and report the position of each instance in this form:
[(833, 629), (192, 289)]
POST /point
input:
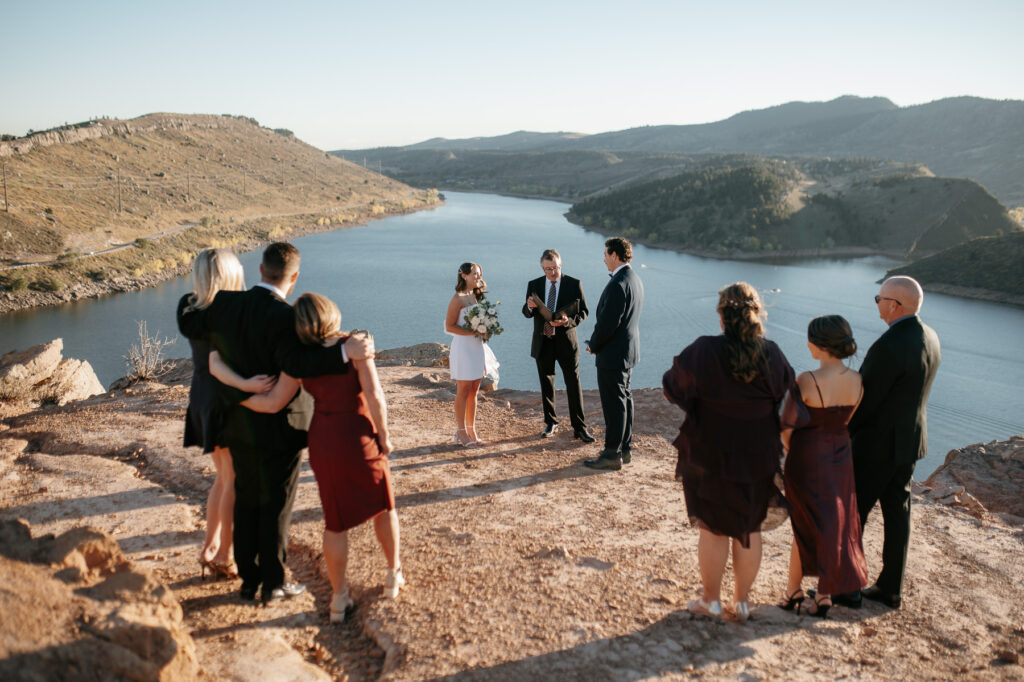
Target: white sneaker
[(340, 605), (393, 582)]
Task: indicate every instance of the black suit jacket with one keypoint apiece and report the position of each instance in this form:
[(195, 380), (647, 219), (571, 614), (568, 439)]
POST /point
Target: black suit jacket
[(569, 290), (254, 331), (616, 336), (891, 421)]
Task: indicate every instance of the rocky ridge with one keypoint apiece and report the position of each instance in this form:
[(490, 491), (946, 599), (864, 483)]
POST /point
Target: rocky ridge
[(522, 564)]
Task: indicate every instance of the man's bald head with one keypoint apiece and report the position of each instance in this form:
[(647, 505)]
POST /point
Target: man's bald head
[(906, 290), (899, 296)]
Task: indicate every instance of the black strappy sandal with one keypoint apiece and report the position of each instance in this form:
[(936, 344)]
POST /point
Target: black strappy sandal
[(793, 601), (820, 608)]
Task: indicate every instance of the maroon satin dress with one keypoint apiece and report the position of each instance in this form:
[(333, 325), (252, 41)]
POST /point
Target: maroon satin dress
[(822, 495), (353, 477)]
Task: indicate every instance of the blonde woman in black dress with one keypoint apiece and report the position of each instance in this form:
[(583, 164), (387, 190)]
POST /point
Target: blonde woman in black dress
[(214, 270)]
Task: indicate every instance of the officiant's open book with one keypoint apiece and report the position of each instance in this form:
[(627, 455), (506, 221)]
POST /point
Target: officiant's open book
[(571, 310)]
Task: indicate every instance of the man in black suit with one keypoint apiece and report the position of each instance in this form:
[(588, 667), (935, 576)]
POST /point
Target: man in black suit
[(254, 331), (556, 341), (889, 428), (616, 343)]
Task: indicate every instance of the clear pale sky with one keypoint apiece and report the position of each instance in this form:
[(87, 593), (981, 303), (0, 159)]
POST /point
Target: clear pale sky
[(347, 75)]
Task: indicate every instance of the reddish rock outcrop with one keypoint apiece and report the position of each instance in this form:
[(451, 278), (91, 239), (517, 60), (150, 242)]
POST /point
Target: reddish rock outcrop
[(74, 608), (983, 477)]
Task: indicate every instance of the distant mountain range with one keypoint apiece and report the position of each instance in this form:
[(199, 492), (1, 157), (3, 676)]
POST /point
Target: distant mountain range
[(963, 137)]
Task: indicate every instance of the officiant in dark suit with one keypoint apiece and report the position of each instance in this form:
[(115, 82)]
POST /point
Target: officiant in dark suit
[(889, 429), (555, 340), (254, 331), (616, 343)]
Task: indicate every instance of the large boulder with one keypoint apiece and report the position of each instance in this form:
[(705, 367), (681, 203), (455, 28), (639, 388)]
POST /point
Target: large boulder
[(40, 375), (989, 474), (74, 608), (419, 355), (21, 371)]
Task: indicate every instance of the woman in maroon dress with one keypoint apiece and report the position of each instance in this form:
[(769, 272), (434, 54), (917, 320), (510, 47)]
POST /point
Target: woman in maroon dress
[(730, 387), (348, 448), (819, 470)]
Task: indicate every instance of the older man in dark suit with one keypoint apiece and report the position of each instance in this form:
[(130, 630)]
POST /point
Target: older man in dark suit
[(555, 340), (254, 331), (889, 428), (616, 343)]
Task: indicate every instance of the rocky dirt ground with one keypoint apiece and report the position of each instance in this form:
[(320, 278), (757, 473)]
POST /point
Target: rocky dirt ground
[(522, 564)]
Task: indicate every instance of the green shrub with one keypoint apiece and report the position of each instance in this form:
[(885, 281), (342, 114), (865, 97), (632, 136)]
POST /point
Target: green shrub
[(19, 284), (142, 243), (51, 284)]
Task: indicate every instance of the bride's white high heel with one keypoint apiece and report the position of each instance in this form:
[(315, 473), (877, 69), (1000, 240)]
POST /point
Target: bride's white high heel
[(468, 443), (476, 439)]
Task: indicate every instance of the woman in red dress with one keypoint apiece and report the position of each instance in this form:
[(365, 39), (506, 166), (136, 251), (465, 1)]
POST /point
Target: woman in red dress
[(730, 387), (348, 448), (819, 470)]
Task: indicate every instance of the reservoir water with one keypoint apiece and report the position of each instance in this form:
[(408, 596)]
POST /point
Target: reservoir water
[(395, 277)]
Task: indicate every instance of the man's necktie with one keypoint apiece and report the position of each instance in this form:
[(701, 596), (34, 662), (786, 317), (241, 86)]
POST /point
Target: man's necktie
[(549, 331)]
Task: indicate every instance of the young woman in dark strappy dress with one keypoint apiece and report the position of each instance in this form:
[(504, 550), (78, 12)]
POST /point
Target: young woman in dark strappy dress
[(819, 470)]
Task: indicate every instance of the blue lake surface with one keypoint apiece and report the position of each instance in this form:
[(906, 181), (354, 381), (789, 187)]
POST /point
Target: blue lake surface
[(396, 276)]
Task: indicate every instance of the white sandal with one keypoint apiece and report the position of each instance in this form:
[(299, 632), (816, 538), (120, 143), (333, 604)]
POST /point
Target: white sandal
[(712, 610), (393, 582), (341, 603)]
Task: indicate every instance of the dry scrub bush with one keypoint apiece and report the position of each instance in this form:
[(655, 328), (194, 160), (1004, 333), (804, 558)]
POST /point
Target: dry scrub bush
[(145, 360)]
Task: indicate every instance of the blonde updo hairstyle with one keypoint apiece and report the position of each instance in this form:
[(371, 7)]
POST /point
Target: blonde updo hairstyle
[(317, 318), (214, 270), (743, 324)]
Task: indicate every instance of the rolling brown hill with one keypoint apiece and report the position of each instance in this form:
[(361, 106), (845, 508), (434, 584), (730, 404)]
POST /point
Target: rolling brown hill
[(170, 184)]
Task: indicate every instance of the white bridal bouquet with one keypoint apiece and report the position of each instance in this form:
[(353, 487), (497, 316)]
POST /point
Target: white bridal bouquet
[(482, 320)]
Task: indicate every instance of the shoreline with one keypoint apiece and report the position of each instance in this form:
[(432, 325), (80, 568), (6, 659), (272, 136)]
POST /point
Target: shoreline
[(10, 303)]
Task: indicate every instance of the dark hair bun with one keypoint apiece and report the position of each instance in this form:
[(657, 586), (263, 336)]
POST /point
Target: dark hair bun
[(832, 334)]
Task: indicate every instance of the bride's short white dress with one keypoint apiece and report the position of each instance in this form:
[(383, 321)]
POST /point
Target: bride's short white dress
[(470, 358)]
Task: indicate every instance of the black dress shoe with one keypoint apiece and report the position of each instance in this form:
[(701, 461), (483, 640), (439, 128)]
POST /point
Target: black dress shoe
[(285, 591), (549, 431), (583, 435), (627, 456), (875, 593), (604, 463), (850, 600), (247, 593)]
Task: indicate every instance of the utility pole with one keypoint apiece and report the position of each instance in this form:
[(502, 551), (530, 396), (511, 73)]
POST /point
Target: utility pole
[(7, 205), (118, 189)]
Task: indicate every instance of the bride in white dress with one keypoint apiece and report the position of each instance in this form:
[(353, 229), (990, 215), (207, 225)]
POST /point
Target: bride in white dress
[(469, 358)]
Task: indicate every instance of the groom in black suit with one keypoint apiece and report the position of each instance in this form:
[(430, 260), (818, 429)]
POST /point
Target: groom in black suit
[(889, 428), (254, 331), (616, 343), (556, 341)]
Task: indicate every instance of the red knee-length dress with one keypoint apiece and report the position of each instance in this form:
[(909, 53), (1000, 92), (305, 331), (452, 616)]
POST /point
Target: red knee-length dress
[(353, 476)]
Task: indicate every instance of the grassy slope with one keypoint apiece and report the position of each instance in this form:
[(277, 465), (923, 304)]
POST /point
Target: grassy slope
[(991, 263), (242, 182)]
